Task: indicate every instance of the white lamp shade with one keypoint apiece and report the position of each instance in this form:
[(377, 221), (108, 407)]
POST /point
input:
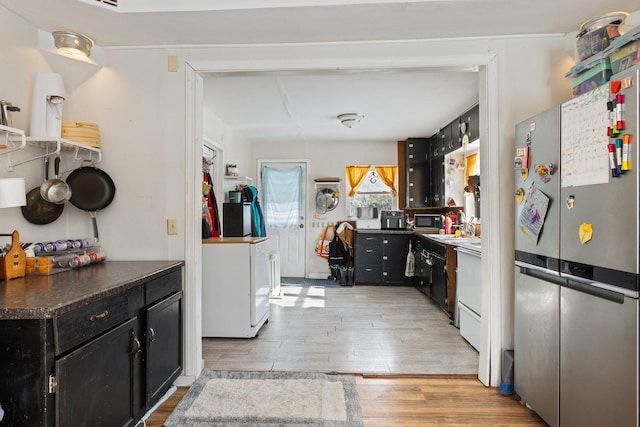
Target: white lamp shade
[(12, 192)]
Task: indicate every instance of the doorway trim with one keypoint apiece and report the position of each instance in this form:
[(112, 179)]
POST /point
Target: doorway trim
[(491, 345)]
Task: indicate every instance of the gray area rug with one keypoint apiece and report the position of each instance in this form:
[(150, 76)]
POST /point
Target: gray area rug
[(297, 281), (227, 398)]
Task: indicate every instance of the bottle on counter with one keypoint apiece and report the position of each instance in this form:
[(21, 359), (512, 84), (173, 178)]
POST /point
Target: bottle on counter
[(447, 224)]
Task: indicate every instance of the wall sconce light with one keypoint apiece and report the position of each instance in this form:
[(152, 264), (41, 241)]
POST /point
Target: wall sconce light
[(12, 192), (350, 119), (73, 43)]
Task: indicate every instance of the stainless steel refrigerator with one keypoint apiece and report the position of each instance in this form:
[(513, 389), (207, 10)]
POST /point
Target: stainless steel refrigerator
[(577, 261), (537, 292), (599, 239)]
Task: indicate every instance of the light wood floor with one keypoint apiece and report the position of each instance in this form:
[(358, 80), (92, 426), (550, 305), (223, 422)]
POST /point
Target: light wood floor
[(419, 401), (413, 368), (360, 329)]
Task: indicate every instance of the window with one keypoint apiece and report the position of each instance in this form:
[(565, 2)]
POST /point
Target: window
[(371, 186)]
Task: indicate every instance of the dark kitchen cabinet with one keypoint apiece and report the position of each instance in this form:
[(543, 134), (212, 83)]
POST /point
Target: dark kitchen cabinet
[(436, 162), (164, 346), (95, 383), (422, 270), (417, 172), (105, 360), (380, 258), (470, 123), (455, 139), (439, 275), (435, 271)]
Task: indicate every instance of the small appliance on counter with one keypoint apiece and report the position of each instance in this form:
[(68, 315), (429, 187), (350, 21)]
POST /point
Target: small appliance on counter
[(368, 218), (428, 221), (393, 220), (236, 219)]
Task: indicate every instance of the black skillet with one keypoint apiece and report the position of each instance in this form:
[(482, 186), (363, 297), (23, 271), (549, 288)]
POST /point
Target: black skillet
[(92, 189), (38, 210)]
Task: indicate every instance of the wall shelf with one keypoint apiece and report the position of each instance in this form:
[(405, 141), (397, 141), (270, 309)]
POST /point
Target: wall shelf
[(54, 146), (13, 139)]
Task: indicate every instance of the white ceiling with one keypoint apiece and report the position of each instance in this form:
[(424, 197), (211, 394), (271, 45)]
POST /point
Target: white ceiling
[(280, 107)]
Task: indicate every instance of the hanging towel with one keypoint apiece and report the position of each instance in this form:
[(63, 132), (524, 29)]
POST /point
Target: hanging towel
[(411, 263)]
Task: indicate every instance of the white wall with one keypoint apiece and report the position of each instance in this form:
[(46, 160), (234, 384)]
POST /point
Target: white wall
[(140, 108), (326, 159)]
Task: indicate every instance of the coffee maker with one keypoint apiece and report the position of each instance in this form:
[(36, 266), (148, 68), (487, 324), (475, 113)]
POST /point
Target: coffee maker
[(46, 109)]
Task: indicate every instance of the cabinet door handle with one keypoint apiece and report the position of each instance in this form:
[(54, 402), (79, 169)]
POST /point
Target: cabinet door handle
[(137, 347), (99, 316), (152, 335)]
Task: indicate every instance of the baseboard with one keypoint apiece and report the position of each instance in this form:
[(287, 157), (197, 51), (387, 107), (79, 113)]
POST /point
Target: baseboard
[(184, 381), (318, 275)]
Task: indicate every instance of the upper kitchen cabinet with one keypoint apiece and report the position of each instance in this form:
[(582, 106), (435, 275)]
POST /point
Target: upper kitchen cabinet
[(417, 172), (436, 163), (470, 124), (453, 138)]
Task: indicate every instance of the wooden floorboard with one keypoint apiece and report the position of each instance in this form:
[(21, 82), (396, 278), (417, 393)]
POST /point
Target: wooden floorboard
[(412, 366), (419, 401)]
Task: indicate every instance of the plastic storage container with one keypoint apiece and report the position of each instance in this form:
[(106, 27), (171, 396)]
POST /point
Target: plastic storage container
[(625, 57), (596, 35), (592, 77)]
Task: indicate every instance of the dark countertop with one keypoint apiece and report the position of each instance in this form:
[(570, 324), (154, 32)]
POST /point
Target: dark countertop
[(218, 240), (378, 231), (43, 297)]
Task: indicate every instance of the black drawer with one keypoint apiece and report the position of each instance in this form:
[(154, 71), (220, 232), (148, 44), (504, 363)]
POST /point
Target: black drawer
[(368, 273), (368, 255), (163, 286), (82, 324)]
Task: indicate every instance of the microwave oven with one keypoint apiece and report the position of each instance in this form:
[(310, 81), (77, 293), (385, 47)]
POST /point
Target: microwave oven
[(428, 221)]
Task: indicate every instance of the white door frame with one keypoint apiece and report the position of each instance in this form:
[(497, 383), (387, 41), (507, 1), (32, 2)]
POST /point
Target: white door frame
[(305, 212), (492, 270)]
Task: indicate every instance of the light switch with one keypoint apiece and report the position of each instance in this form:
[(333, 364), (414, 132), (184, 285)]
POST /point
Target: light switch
[(172, 226)]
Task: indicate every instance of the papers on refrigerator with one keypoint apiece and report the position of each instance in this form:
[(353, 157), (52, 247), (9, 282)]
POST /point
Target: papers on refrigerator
[(533, 213)]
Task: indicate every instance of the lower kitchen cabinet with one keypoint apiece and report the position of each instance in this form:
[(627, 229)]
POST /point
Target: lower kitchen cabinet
[(435, 271), (95, 383), (380, 257), (101, 363), (164, 346)]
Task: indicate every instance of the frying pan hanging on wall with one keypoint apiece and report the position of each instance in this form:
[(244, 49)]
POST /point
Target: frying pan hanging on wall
[(92, 189)]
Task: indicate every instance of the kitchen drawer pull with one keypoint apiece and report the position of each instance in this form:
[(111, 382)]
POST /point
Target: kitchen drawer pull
[(152, 335), (99, 316)]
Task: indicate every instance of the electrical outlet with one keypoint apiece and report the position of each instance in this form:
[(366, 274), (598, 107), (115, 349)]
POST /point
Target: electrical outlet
[(172, 226)]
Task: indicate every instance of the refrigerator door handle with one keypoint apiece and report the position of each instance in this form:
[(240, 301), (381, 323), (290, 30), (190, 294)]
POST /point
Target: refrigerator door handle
[(595, 289), (543, 275)]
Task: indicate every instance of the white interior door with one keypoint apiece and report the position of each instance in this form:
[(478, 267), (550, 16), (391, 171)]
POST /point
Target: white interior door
[(291, 240)]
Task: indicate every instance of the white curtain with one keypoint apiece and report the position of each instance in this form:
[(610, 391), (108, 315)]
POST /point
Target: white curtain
[(282, 196)]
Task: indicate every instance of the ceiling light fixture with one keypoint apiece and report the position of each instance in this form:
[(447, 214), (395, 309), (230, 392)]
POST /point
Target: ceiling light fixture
[(350, 119), (73, 43)]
